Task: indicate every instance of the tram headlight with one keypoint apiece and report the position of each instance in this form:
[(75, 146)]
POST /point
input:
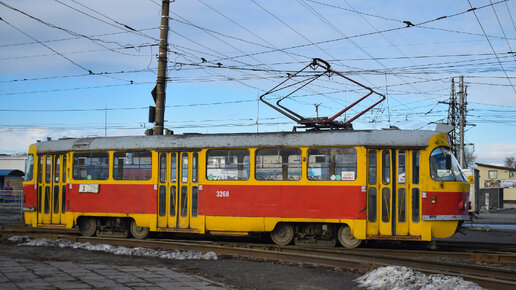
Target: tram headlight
[(464, 205)]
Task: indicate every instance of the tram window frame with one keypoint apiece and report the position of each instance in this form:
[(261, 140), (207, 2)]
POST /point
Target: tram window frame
[(416, 159), (386, 166), (48, 168), (402, 205), (402, 167), (324, 164), (40, 169), (371, 204), (162, 167), (57, 168), (100, 169), (123, 161), (29, 168), (416, 205), (372, 167), (65, 160), (228, 164), (386, 204), (291, 170), (173, 167), (184, 167), (195, 167)]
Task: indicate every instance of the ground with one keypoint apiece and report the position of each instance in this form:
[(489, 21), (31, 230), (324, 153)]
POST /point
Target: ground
[(234, 273)]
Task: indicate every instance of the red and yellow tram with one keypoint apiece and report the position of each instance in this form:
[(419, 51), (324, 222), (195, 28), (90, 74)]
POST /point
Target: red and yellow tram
[(309, 187)]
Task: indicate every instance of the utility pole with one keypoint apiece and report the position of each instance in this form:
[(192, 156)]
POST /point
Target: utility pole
[(161, 81), (457, 118), (462, 119)]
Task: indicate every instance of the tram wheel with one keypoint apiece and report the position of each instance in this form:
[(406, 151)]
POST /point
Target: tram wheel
[(87, 226), (283, 234), (346, 238), (138, 232)]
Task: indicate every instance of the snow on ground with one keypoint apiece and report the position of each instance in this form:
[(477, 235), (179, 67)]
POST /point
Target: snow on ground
[(404, 278), (139, 251)]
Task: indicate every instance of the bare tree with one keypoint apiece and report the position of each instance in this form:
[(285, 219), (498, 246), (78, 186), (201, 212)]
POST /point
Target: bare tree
[(510, 162), (469, 157)]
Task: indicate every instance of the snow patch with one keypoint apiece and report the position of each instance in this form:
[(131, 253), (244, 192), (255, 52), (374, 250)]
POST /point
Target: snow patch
[(139, 251), (404, 278)]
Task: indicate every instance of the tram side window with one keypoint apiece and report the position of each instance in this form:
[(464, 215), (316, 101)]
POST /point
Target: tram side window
[(386, 167), (332, 164), (415, 167), (132, 165), (230, 164), (64, 168), (48, 167), (278, 164), (415, 205), (91, 166), (40, 169), (372, 167), (402, 170), (29, 168)]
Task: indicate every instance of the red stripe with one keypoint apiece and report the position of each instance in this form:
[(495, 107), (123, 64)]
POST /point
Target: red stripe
[(446, 203), (29, 194), (292, 201), (119, 198)]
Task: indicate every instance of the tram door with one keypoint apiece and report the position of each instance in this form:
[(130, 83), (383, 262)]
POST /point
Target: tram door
[(51, 189), (388, 189), (177, 189)]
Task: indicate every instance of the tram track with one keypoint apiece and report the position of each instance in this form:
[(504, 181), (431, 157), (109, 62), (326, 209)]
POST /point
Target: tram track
[(473, 246), (488, 269)]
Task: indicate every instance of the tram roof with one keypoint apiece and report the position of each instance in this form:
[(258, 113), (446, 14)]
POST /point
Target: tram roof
[(380, 138)]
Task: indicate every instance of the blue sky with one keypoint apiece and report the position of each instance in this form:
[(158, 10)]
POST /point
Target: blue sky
[(48, 47)]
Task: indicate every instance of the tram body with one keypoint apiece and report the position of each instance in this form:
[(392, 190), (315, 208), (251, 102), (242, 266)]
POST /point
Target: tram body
[(312, 187)]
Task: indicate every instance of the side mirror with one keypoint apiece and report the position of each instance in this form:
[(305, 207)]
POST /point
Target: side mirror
[(448, 162)]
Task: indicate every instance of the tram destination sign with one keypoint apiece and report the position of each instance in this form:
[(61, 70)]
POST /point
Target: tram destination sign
[(90, 188)]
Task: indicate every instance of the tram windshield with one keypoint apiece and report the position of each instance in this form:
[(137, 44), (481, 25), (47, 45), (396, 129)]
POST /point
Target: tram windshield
[(438, 169)]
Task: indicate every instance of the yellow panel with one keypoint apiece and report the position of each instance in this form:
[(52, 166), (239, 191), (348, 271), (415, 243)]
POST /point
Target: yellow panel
[(415, 229), (270, 223), (30, 218), (236, 224), (144, 220), (426, 231), (443, 229), (358, 228)]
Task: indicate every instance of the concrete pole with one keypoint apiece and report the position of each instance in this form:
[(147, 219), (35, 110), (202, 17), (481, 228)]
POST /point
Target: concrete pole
[(161, 81), (462, 120)]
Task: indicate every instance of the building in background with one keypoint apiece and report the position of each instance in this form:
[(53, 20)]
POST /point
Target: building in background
[(13, 162), (497, 186), (11, 177)]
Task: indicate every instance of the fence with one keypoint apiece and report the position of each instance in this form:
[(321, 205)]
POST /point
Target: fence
[(490, 198), (11, 200)]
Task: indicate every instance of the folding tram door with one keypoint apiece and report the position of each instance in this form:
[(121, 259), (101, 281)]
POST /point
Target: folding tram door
[(51, 189), (178, 192), (392, 175)]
